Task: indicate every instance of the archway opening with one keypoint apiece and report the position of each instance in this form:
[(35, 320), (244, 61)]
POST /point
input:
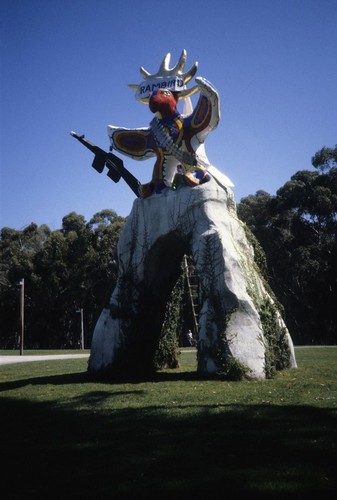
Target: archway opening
[(166, 264)]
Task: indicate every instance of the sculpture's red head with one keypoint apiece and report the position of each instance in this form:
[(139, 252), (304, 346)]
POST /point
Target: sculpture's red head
[(164, 101)]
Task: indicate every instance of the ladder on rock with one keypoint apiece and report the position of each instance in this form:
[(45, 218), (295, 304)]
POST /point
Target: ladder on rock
[(192, 284)]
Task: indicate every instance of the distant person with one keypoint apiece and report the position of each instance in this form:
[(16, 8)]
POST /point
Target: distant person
[(190, 338)]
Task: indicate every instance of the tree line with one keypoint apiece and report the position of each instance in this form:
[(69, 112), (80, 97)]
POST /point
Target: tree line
[(75, 267), (64, 271), (297, 229)]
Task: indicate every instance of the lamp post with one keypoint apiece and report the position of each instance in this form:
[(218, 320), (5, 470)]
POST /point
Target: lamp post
[(22, 314), (82, 327)]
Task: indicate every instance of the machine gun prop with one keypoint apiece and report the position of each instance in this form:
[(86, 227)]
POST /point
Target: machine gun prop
[(115, 165)]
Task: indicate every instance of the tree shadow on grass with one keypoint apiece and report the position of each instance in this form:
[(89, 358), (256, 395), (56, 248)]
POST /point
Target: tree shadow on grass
[(62, 379), (85, 377), (84, 450)]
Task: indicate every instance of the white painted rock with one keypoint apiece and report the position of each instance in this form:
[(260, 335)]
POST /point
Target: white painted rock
[(200, 221)]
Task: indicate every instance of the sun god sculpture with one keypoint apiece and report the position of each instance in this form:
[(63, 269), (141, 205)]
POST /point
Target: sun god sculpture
[(173, 138), (187, 208)]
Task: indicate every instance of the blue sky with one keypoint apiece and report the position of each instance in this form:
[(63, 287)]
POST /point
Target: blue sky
[(65, 65)]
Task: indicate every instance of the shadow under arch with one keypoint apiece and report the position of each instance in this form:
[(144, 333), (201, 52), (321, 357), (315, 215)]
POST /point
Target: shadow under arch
[(163, 268)]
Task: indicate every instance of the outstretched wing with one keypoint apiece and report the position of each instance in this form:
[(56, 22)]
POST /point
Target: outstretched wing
[(135, 143)]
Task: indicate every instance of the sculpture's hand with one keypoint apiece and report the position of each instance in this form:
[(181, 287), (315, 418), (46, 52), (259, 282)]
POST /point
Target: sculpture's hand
[(208, 90)]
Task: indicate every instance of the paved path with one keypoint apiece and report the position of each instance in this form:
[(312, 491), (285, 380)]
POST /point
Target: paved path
[(6, 360), (10, 359)]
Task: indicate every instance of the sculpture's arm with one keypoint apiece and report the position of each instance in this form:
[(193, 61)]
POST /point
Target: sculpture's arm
[(136, 143)]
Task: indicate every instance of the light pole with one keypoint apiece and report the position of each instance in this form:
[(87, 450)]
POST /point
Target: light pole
[(22, 314), (82, 327)]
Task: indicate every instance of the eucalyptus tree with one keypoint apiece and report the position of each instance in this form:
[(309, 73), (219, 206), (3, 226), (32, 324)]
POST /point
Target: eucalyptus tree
[(297, 229), (17, 249), (64, 270)]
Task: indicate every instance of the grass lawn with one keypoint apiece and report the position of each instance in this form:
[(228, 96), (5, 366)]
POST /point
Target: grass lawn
[(174, 436)]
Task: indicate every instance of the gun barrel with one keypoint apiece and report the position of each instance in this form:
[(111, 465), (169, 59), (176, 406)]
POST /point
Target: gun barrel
[(86, 143)]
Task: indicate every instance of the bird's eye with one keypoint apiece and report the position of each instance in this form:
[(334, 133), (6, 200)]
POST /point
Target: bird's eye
[(166, 92)]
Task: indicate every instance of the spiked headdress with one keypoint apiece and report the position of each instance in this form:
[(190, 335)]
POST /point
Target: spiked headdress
[(173, 79)]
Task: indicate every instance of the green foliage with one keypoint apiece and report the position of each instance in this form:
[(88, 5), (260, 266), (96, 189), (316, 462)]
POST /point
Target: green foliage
[(277, 353), (232, 369), (216, 315), (63, 270), (297, 230), (259, 254), (166, 354), (325, 159)]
